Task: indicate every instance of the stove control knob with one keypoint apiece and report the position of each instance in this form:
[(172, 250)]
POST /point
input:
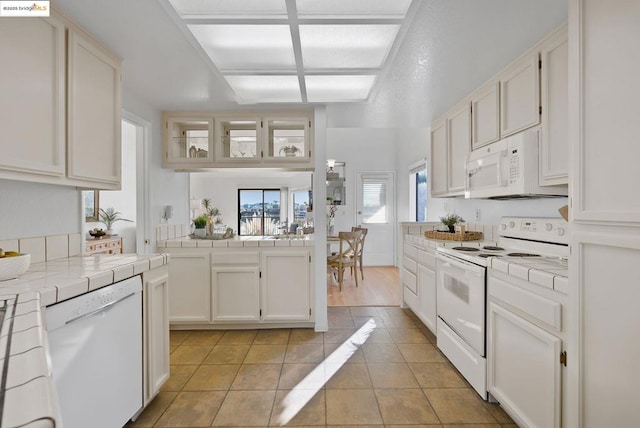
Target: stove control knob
[(549, 227), (512, 224), (503, 226), (561, 231)]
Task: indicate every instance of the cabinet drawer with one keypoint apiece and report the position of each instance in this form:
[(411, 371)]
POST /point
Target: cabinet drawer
[(409, 265), (410, 281), (410, 298), (410, 251), (427, 259), (243, 258), (538, 307)]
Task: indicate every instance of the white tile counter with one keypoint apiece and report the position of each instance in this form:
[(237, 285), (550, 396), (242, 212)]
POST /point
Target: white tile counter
[(28, 398), (237, 242)]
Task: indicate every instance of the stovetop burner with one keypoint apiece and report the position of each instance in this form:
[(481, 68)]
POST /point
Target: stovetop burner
[(485, 255), (467, 249), (523, 255), (492, 248)]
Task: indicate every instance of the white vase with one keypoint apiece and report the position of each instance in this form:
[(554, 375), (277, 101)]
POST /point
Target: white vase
[(200, 232), (108, 232)]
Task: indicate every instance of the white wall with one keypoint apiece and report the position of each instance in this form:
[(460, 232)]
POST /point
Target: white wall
[(222, 187), (32, 209)]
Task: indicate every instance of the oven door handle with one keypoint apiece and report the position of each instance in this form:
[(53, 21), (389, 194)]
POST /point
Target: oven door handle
[(449, 262)]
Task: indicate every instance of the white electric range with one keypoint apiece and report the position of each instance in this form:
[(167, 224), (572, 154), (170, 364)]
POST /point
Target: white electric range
[(533, 249)]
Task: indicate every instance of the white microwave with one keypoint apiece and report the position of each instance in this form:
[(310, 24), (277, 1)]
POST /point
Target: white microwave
[(508, 168)]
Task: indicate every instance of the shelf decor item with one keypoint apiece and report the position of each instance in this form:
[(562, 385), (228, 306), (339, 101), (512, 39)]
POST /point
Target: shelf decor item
[(200, 224), (450, 220), (448, 236), (289, 151), (13, 264), (110, 216)]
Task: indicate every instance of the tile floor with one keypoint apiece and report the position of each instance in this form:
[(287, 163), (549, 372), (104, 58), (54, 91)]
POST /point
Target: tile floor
[(376, 366)]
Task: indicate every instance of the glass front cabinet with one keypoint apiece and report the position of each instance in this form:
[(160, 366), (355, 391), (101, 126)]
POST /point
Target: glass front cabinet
[(244, 139), (188, 141)]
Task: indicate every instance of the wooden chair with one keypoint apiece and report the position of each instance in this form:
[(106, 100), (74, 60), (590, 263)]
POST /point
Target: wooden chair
[(358, 256), (349, 243)]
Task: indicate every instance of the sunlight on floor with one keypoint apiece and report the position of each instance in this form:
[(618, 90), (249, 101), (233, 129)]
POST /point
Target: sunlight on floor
[(304, 391)]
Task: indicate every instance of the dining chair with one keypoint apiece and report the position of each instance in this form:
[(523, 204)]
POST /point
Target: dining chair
[(358, 256), (349, 243)]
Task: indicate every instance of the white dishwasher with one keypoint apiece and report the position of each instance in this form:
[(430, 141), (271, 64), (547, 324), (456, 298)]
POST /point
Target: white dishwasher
[(95, 344)]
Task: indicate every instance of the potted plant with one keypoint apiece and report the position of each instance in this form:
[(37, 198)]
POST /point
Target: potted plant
[(289, 151), (110, 216), (200, 224), (450, 220)]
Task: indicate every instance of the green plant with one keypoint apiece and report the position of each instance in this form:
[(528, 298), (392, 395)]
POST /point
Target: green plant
[(201, 221), (289, 150), (211, 211), (451, 219), (110, 216)]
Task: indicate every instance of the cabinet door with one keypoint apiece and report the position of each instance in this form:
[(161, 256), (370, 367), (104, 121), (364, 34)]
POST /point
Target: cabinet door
[(32, 104), (286, 140), (156, 330), (189, 291), (188, 141), (94, 113), (237, 140), (524, 369), (485, 115), (427, 296), (285, 286), (520, 96), (459, 133), (439, 158), (554, 144), (235, 293)]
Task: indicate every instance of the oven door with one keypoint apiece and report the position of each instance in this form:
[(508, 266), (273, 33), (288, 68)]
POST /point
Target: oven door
[(461, 299)]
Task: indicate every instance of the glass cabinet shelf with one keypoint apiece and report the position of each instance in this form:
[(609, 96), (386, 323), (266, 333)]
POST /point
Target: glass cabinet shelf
[(189, 139)]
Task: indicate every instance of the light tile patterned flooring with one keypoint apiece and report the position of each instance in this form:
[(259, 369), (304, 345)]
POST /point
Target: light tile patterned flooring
[(298, 377)]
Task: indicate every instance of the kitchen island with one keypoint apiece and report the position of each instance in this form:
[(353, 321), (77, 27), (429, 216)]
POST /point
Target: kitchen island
[(244, 282), (28, 394)]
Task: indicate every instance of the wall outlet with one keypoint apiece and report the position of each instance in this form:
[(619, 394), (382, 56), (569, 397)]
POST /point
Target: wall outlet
[(477, 214)]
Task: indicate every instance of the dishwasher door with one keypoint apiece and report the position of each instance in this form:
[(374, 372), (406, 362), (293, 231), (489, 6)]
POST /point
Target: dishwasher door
[(95, 344)]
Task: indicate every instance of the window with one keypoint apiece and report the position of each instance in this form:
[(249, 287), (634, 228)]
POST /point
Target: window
[(418, 191), (374, 200), (300, 206), (258, 212)]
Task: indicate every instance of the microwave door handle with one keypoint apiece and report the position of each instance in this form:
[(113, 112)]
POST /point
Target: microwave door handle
[(502, 176)]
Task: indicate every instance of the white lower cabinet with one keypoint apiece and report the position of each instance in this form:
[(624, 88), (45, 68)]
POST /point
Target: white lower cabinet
[(427, 296), (155, 330), (235, 293), (524, 370), (285, 291), (190, 290)]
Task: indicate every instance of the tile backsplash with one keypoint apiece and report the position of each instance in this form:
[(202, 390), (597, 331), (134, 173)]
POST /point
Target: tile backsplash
[(46, 248)]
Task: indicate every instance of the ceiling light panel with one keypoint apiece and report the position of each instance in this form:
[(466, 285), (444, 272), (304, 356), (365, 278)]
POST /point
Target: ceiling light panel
[(261, 89), (338, 88), (352, 8), (189, 9), (346, 46), (247, 47)]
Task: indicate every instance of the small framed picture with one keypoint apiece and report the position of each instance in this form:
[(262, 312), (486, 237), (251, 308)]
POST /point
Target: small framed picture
[(91, 204)]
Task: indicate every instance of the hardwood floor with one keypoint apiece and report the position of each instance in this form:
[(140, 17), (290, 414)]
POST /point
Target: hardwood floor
[(380, 287)]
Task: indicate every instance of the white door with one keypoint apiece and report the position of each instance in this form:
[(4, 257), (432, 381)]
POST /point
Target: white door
[(375, 211)]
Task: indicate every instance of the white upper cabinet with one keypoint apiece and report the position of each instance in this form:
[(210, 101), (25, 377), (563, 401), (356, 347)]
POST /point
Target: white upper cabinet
[(554, 143), (94, 119), (459, 144), (188, 140), (485, 115), (520, 95), (60, 105), (286, 139), (237, 139), (32, 104), (439, 158)]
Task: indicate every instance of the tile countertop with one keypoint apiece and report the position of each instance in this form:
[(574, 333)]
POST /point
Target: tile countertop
[(238, 242), (28, 398)]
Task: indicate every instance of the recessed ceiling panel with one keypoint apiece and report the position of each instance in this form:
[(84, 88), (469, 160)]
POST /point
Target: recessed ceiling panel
[(338, 88), (247, 47), (346, 46), (230, 8), (262, 89), (352, 8)]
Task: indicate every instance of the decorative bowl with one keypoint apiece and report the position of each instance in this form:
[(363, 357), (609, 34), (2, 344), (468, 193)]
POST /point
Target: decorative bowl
[(97, 234), (13, 267)]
